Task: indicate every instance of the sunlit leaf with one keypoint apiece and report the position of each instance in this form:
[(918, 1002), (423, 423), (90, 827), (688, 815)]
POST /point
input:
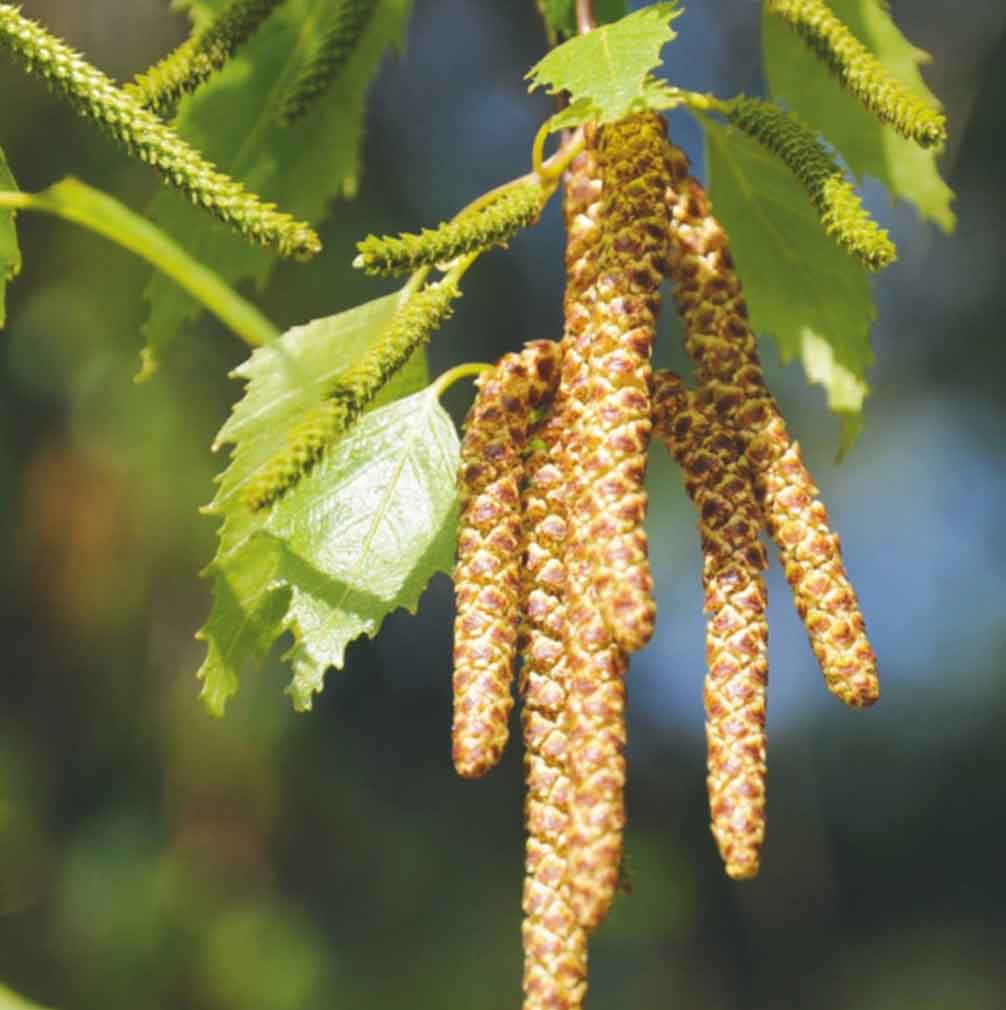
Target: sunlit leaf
[(358, 537), (607, 71)]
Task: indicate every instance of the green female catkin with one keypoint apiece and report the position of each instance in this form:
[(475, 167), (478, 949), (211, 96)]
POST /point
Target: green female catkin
[(144, 136), (196, 60), (860, 72)]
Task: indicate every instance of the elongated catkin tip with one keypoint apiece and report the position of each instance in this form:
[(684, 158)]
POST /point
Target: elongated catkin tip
[(487, 574)]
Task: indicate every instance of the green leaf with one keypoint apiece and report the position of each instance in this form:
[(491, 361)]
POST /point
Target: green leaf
[(75, 201), (801, 289), (358, 537), (868, 146), (607, 72), (10, 1000), (234, 120), (10, 252)]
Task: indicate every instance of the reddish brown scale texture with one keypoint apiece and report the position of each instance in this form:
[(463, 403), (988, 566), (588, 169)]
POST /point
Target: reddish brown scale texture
[(555, 945), (718, 481), (614, 327), (719, 338), (594, 715), (487, 574)]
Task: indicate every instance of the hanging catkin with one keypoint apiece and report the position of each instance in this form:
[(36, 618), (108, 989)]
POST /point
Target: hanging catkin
[(555, 944), (719, 483), (719, 338), (618, 329), (487, 575), (595, 667)]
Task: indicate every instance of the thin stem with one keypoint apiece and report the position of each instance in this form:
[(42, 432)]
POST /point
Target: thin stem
[(552, 169), (585, 19), (75, 201), (459, 268), (456, 374)]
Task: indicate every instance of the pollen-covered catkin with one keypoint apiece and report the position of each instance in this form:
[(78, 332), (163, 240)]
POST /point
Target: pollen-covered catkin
[(616, 340), (555, 944), (719, 483), (718, 336), (594, 665), (487, 574)]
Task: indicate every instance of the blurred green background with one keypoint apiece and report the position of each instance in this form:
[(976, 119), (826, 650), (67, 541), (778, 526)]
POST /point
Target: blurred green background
[(150, 857)]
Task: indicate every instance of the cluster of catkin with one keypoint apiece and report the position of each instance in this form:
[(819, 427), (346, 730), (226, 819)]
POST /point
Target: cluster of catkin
[(553, 573)]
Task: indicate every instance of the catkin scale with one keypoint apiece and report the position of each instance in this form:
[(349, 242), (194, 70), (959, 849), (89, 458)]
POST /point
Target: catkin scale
[(718, 480), (555, 944), (719, 338), (487, 574)]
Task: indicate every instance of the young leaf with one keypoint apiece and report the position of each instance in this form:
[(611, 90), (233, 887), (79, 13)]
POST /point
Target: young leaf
[(10, 252), (801, 288), (868, 146), (359, 537), (254, 600), (233, 118), (607, 71)]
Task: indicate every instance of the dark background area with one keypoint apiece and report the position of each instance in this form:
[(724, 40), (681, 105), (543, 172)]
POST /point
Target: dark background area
[(151, 857)]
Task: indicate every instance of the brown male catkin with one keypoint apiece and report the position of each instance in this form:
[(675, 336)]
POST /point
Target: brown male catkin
[(594, 714), (555, 944), (618, 329), (718, 481), (718, 337), (487, 574)]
